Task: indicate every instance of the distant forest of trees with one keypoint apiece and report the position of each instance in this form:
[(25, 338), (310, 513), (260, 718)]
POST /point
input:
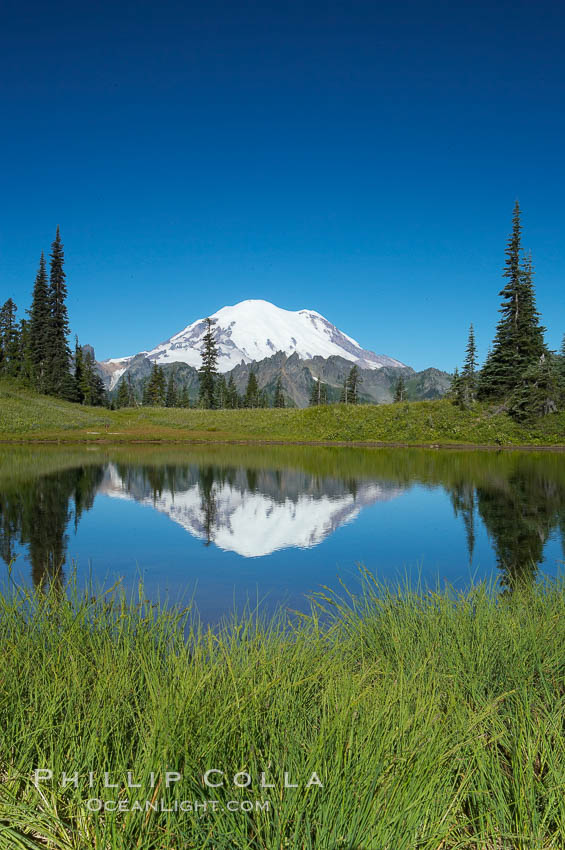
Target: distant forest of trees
[(520, 373)]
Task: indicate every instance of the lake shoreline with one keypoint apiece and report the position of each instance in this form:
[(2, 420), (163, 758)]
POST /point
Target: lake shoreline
[(353, 444)]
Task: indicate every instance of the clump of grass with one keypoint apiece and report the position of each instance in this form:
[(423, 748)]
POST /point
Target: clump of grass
[(433, 720)]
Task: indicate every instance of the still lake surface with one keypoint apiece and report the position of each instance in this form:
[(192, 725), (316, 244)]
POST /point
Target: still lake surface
[(222, 524)]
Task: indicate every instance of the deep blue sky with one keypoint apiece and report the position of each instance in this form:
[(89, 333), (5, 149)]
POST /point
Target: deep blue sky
[(360, 159)]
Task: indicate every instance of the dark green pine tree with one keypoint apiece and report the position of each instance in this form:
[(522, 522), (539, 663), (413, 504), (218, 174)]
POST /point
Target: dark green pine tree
[(233, 401), (25, 370), (344, 395), (221, 393), (561, 370), (184, 397), (251, 398), (122, 396), (79, 374), (39, 328), (314, 393), (9, 339), (469, 371), (132, 401), (400, 389), (464, 391), (59, 379), (91, 388), (279, 396), (455, 392), (518, 343), (531, 344), (319, 394), (171, 398), (208, 370), (155, 393), (353, 381), (538, 392)]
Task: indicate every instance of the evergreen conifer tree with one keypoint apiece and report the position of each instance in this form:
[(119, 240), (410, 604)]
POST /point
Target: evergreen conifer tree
[(561, 372), (9, 339), (79, 373), (184, 398), (25, 370), (319, 393), (465, 390), (208, 370), (155, 393), (469, 371), (454, 392), (518, 343), (58, 353), (122, 396), (353, 381), (399, 389), (221, 393), (171, 399), (132, 402), (279, 397), (89, 385), (39, 327), (232, 394), (314, 393), (539, 392), (251, 398)]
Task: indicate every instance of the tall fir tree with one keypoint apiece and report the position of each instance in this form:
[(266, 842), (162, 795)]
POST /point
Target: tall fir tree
[(208, 370), (9, 339), (252, 396), (171, 399), (466, 390), (39, 328), (519, 342), (155, 391), (278, 400), (539, 392), (232, 394), (221, 393), (399, 389), (58, 353), (319, 393), (132, 401), (122, 396), (353, 381), (25, 370), (184, 397), (79, 373), (561, 372)]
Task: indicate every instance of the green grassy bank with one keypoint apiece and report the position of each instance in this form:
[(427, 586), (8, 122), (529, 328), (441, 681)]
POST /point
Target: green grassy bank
[(26, 416), (432, 721)]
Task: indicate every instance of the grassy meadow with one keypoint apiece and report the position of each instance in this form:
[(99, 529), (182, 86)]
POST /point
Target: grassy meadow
[(433, 721), (27, 416)]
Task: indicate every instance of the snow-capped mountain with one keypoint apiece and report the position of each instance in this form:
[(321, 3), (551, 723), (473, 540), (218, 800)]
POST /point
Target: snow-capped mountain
[(253, 330)]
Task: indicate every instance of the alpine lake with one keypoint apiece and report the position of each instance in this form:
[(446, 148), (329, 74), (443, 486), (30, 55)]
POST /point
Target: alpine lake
[(221, 527)]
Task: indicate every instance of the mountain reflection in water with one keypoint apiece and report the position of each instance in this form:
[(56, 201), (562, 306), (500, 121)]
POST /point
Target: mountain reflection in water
[(253, 513), (258, 502)]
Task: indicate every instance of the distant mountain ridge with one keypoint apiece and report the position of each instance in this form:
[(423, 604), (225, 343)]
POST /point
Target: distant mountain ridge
[(299, 346)]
